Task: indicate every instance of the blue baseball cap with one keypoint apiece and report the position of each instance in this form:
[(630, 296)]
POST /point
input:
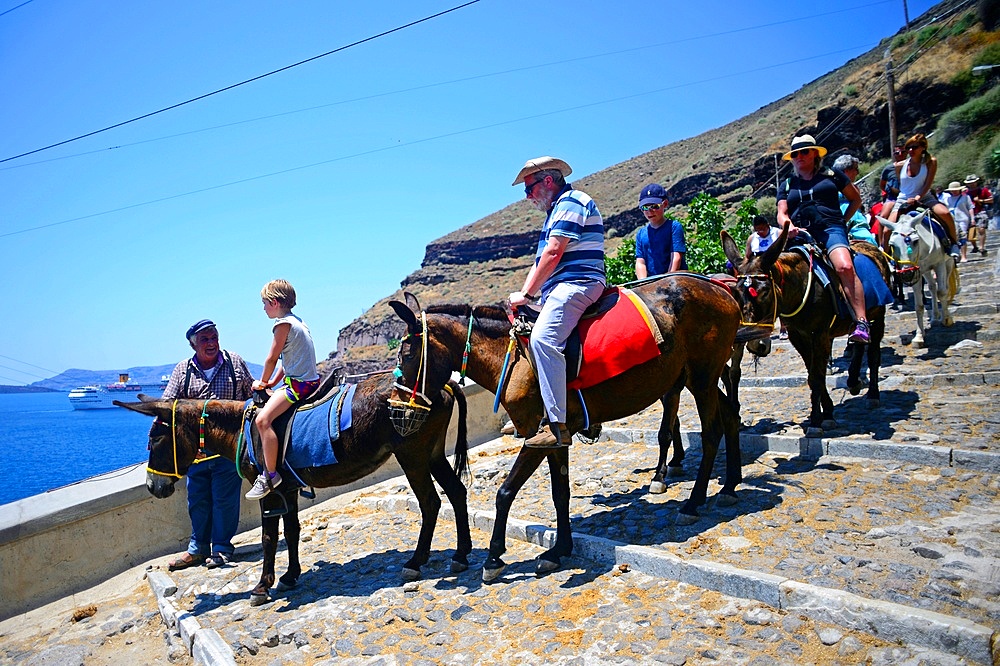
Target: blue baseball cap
[(198, 327), (652, 194)]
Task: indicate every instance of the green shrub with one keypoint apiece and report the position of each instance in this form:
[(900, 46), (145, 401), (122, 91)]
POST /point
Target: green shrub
[(963, 120), (392, 343), (621, 267), (902, 40), (962, 25), (988, 56), (704, 221), (957, 160), (929, 33), (851, 90), (991, 159)]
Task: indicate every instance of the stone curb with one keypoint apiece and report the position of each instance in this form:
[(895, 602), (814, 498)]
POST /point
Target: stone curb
[(205, 645), (886, 620), (815, 447)]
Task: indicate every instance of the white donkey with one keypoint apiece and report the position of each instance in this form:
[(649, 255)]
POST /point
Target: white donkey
[(913, 243)]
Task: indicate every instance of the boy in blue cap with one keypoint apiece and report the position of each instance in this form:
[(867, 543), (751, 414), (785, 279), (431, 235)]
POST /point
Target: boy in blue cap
[(659, 246)]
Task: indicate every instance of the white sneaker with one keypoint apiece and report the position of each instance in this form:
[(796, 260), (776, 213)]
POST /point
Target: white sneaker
[(262, 487)]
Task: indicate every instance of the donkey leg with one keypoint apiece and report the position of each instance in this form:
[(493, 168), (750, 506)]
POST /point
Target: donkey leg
[(918, 306), (873, 398), (525, 464), (854, 383), (458, 496), (734, 459), (293, 529), (669, 433), (419, 476), (711, 432), (559, 478), (269, 540)]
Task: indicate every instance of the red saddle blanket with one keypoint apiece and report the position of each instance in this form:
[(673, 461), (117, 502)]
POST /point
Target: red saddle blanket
[(616, 340)]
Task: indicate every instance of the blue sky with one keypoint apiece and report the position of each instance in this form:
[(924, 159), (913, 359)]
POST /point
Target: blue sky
[(334, 174)]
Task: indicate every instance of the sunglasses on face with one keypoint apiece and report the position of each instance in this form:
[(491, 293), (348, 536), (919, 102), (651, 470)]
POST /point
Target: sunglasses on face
[(645, 207), (528, 188), (796, 153)]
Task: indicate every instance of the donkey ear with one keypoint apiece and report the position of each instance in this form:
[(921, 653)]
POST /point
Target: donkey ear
[(406, 314), (149, 408), (886, 223), (729, 247), (412, 301), (771, 254)]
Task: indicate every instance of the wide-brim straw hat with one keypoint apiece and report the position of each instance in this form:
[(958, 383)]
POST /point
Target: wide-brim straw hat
[(954, 186), (804, 142), (542, 164)]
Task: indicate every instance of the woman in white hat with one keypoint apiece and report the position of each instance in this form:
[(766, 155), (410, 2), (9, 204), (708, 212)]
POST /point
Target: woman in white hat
[(960, 206), (809, 200)]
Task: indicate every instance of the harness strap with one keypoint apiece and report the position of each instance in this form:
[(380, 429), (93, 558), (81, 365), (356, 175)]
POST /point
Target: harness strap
[(201, 457), (465, 354), (173, 435)]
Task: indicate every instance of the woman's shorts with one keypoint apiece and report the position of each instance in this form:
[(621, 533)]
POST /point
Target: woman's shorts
[(830, 236), (296, 390)]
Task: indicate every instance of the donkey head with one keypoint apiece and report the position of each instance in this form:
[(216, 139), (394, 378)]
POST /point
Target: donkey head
[(173, 441), (755, 289)]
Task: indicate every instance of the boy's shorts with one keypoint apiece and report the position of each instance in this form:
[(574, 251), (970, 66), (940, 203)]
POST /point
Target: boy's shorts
[(296, 390)]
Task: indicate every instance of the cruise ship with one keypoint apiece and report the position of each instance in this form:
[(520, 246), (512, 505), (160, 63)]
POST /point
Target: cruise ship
[(101, 397)]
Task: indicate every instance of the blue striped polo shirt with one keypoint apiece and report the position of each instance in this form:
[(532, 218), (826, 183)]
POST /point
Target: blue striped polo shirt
[(574, 215)]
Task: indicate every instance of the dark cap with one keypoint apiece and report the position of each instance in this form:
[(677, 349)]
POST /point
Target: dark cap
[(198, 327), (652, 194)]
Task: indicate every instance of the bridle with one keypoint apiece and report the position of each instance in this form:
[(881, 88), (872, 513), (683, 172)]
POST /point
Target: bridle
[(777, 286), (200, 457)]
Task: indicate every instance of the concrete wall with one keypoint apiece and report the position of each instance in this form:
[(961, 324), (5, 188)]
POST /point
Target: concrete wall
[(71, 538)]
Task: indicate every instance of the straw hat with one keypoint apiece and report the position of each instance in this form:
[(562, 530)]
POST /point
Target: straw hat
[(971, 179), (541, 164), (955, 186), (804, 142)]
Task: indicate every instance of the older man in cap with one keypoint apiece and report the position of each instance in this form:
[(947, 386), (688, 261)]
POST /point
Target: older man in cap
[(982, 199), (213, 484), (567, 277)]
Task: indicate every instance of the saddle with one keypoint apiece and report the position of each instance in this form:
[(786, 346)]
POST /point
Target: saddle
[(615, 334), (876, 291), (308, 433)]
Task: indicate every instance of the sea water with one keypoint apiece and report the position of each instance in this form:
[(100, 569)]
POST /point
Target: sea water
[(46, 444)]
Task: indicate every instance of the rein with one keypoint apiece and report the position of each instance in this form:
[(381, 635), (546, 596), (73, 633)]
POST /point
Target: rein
[(200, 456), (421, 368)]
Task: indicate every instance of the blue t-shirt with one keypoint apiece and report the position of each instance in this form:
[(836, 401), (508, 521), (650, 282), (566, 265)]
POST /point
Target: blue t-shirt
[(654, 246)]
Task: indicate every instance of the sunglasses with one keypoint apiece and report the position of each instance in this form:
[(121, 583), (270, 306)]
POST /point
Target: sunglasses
[(796, 153), (909, 148), (529, 188), (645, 207)]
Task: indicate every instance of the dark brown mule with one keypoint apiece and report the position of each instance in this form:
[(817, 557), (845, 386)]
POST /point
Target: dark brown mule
[(361, 450), (698, 320), (778, 283)]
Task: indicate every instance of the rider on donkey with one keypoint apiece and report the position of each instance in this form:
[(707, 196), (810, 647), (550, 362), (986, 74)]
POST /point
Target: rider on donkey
[(568, 277), (809, 200)]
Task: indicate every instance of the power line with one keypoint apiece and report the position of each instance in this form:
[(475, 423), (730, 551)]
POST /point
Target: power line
[(476, 77), (17, 360), (17, 7), (432, 138), (242, 83)]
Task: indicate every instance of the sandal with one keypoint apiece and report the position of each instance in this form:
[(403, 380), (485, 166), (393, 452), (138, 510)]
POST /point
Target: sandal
[(184, 561), (217, 560)]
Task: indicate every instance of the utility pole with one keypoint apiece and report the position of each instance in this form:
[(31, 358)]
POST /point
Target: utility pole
[(906, 15), (890, 93)]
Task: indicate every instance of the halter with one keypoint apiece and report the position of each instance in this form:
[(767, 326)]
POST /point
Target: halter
[(748, 277), (200, 457), (408, 417)]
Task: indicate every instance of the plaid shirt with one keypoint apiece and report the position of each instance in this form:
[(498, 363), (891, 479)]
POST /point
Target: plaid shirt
[(187, 373)]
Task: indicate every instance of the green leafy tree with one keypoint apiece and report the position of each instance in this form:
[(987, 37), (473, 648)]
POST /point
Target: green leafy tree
[(621, 267), (704, 221)]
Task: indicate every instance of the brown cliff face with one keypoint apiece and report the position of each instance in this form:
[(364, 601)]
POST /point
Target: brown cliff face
[(484, 261)]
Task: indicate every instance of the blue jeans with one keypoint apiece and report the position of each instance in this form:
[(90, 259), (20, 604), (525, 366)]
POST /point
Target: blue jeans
[(561, 311), (213, 489)]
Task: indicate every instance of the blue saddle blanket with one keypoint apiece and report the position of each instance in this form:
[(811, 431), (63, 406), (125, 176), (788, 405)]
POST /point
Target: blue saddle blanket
[(876, 290), (308, 439)]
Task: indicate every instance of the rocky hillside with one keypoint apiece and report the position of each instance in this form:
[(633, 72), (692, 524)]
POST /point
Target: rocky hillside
[(847, 108)]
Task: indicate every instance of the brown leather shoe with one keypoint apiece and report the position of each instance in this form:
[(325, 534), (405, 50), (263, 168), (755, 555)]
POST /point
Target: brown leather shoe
[(508, 429), (552, 437)]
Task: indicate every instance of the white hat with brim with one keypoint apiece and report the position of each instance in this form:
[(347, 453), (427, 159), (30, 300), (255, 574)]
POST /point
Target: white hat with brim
[(954, 186), (971, 178), (804, 142), (542, 164)]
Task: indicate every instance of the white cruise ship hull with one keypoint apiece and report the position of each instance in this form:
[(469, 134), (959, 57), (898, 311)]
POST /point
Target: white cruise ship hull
[(102, 397)]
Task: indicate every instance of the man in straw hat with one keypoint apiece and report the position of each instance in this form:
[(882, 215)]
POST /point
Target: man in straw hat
[(567, 277), (982, 198), (960, 206)]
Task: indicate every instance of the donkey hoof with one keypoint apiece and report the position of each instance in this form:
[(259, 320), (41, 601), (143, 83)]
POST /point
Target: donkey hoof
[(458, 567), (725, 499), (410, 575), (283, 585), (257, 599), (657, 488), (490, 575), (687, 518), (544, 566), (675, 471), (855, 389)]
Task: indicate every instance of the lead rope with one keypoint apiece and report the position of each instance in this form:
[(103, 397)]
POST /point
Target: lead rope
[(465, 354)]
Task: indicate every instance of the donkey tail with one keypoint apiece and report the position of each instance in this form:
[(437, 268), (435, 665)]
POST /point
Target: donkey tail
[(462, 441)]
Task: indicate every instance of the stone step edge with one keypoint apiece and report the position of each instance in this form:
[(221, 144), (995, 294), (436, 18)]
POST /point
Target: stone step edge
[(813, 448), (839, 380), (888, 621), (204, 644)]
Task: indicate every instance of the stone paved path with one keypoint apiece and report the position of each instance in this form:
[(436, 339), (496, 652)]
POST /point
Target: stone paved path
[(915, 521)]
